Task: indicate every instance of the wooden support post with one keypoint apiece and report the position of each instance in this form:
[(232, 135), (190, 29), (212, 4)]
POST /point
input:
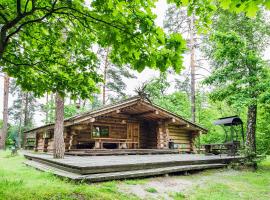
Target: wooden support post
[(192, 142), (162, 135)]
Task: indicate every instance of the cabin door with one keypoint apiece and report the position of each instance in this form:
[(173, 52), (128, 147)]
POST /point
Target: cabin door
[(133, 135)]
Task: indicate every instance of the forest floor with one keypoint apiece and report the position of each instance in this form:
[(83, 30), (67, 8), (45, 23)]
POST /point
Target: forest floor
[(18, 182)]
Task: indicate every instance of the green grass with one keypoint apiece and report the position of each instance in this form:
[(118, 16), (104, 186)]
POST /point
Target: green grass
[(244, 185), (151, 190), (178, 196), (135, 181), (18, 182)]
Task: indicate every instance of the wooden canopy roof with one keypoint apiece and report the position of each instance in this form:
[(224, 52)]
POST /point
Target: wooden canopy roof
[(134, 107)]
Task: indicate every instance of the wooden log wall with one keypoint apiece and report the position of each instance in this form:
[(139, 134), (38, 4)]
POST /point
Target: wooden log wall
[(83, 133), (181, 137)]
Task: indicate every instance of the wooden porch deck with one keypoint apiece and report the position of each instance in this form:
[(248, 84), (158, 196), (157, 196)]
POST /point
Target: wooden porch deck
[(103, 168)]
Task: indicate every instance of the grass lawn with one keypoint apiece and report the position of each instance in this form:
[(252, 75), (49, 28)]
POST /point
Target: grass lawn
[(18, 182), (231, 185)]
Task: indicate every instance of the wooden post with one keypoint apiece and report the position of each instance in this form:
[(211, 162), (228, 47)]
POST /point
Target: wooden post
[(192, 142), (162, 135)]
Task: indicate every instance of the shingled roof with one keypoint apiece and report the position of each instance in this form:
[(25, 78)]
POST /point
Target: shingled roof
[(120, 105)]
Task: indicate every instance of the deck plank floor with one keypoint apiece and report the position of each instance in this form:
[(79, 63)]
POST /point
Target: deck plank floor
[(103, 168), (99, 161)]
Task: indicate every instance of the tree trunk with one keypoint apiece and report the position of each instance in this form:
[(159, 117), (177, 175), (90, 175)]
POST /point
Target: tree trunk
[(251, 128), (192, 70), (5, 113), (50, 112), (59, 144), (105, 77), (47, 109), (26, 116), (21, 121)]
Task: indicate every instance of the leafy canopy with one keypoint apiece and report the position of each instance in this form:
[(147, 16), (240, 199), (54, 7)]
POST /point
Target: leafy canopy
[(52, 48), (239, 73)]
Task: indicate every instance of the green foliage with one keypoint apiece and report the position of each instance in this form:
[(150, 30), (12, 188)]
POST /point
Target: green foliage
[(24, 106), (236, 68), (205, 9), (239, 75), (178, 196), (157, 87), (151, 190), (263, 129), (57, 54), (71, 110), (12, 135)]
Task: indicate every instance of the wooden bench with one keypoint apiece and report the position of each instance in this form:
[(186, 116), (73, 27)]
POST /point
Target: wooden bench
[(122, 143), (229, 148)]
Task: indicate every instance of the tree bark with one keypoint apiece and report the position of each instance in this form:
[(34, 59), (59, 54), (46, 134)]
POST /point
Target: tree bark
[(192, 70), (50, 112), (59, 144), (21, 121), (105, 77), (5, 113), (251, 128), (47, 109), (26, 116)]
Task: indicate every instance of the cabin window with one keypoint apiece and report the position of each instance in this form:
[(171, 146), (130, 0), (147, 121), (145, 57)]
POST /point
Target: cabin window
[(100, 131)]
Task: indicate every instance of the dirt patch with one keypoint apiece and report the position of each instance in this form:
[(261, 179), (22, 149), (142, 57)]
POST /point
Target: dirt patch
[(167, 186)]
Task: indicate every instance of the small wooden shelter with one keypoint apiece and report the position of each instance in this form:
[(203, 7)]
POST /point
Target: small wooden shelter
[(134, 123)]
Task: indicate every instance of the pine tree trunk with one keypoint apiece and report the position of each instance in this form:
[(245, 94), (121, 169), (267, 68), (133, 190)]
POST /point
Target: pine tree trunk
[(251, 128), (192, 70), (5, 113), (105, 77), (21, 121), (59, 144), (47, 109), (51, 110), (26, 116)]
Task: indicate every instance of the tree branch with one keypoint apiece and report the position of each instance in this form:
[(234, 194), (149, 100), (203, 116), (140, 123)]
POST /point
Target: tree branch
[(25, 7), (25, 23), (19, 8), (3, 17)]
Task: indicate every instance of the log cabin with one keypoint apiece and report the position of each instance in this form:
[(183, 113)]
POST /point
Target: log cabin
[(134, 123)]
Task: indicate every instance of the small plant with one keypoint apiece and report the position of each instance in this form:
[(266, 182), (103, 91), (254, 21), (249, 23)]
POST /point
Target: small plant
[(250, 160), (178, 196), (151, 190), (135, 181)]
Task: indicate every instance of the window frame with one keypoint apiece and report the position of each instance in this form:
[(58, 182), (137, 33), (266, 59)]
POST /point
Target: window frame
[(94, 135)]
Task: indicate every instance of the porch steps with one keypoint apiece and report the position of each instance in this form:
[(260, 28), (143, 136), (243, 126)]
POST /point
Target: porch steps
[(122, 174)]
